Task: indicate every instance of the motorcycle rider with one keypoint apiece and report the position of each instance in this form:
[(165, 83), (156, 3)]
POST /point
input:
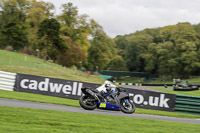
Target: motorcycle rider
[(106, 89)]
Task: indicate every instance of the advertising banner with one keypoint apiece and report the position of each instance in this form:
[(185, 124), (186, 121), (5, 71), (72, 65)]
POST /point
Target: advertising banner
[(152, 100), (72, 89), (51, 86)]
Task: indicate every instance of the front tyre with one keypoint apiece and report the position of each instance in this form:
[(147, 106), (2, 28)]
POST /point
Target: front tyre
[(87, 102), (127, 106)]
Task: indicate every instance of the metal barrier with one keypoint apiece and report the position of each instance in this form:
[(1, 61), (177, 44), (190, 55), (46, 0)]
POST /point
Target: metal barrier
[(187, 104), (127, 73), (7, 80)]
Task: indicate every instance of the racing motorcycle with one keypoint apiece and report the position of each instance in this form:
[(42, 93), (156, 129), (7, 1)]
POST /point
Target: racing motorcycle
[(117, 100)]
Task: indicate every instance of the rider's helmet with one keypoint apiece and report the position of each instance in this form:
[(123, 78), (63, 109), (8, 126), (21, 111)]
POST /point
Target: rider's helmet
[(108, 85)]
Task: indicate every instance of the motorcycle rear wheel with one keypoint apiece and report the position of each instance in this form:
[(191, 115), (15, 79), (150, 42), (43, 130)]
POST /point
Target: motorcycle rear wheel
[(127, 106), (87, 102)]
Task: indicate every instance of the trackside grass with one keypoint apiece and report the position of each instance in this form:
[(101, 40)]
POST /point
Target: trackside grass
[(57, 73), (23, 120), (14, 62), (70, 102)]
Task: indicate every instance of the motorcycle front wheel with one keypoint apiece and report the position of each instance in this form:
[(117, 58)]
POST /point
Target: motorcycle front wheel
[(87, 102), (127, 106)]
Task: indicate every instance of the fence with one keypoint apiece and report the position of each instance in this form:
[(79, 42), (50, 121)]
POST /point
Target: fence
[(30, 62), (126, 73), (7, 80), (187, 104)]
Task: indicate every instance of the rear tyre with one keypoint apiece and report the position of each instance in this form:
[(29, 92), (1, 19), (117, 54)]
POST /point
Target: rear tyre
[(127, 106), (87, 102)]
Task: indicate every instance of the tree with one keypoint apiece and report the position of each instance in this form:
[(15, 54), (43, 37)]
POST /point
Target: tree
[(14, 35), (132, 57), (190, 58), (49, 33), (13, 29), (184, 39), (170, 51), (136, 48), (73, 56), (121, 44), (35, 14), (69, 21), (76, 28), (101, 51), (151, 58), (116, 64)]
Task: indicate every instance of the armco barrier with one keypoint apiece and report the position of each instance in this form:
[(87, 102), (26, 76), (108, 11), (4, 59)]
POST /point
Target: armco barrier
[(140, 84), (7, 80), (144, 84), (187, 104), (126, 73)]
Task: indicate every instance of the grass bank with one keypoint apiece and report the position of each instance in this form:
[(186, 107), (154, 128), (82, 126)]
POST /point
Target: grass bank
[(16, 63)]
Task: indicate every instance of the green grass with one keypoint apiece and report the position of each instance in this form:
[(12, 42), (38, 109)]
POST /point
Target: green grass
[(70, 102), (14, 62), (38, 98), (66, 74), (18, 59), (22, 120)]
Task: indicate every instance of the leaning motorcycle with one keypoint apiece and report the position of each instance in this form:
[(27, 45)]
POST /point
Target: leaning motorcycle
[(118, 100)]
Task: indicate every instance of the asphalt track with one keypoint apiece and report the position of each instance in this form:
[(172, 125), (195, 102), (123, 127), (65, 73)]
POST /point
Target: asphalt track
[(36, 105)]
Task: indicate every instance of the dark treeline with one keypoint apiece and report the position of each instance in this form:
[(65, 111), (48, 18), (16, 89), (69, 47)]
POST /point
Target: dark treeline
[(171, 51), (69, 39)]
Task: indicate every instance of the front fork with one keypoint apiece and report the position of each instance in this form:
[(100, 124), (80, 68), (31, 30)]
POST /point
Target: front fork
[(126, 101)]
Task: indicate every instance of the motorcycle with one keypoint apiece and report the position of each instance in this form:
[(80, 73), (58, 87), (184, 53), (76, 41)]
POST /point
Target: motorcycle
[(118, 100)]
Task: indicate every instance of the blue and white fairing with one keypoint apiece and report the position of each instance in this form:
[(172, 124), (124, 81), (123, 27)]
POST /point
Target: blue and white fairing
[(107, 106)]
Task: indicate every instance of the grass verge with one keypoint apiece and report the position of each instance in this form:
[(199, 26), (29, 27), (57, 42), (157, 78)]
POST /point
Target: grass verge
[(22, 120), (70, 102)]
